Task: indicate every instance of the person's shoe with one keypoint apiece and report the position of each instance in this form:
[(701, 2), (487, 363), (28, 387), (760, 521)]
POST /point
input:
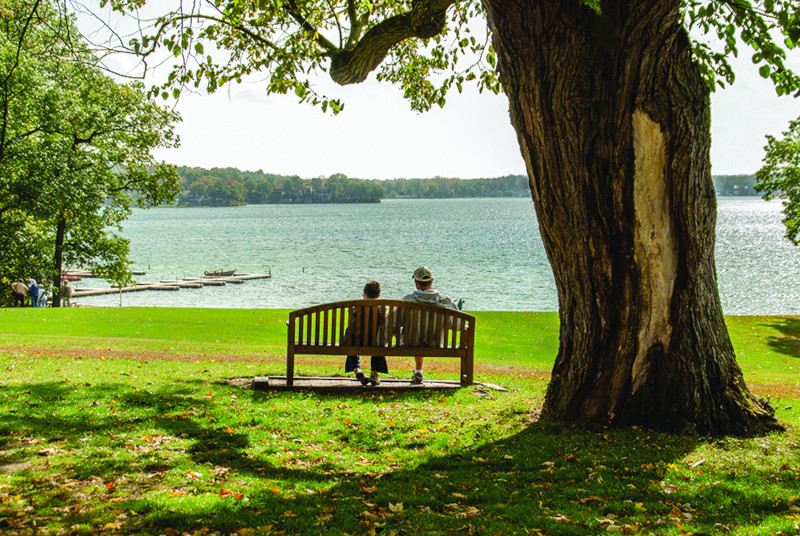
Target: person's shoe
[(416, 377), (360, 377), (374, 379)]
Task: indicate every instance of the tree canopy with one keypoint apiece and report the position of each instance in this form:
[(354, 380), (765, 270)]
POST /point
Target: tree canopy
[(75, 149), (779, 177), (427, 47)]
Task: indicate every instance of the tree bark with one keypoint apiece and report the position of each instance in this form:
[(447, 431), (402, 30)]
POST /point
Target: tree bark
[(58, 260), (612, 118)]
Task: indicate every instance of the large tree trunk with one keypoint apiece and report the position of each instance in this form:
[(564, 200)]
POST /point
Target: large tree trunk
[(612, 118)]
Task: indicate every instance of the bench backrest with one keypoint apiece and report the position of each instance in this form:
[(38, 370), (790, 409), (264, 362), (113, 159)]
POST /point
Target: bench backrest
[(388, 327)]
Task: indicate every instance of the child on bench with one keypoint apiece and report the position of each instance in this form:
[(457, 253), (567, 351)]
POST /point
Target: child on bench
[(358, 332)]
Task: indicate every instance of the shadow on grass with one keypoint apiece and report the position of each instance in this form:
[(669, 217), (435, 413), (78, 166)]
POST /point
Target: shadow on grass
[(789, 343), (545, 478)]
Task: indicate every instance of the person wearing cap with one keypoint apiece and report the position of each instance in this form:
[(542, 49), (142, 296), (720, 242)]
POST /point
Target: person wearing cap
[(423, 280)]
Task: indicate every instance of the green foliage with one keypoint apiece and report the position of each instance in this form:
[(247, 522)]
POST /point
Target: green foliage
[(75, 148), (753, 24), (231, 187), (292, 41), (207, 187), (779, 177), (440, 187), (289, 42)]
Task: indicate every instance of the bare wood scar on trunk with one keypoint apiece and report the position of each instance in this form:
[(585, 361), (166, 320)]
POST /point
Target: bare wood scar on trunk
[(656, 246)]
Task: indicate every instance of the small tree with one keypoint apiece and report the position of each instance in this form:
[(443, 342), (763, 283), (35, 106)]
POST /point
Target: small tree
[(76, 145), (779, 177)]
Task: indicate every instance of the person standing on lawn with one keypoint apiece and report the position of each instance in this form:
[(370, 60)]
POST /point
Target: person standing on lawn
[(19, 290), (66, 294), (423, 280), (33, 292)]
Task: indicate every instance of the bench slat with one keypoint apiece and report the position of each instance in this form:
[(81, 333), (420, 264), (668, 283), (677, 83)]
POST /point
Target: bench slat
[(376, 350), (340, 338)]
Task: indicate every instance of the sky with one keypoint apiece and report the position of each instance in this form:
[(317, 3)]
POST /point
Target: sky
[(378, 136)]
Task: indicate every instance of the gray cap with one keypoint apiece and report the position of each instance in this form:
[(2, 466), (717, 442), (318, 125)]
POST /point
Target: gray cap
[(423, 275)]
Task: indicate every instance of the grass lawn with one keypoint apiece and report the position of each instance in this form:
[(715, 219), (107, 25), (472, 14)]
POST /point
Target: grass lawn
[(123, 421)]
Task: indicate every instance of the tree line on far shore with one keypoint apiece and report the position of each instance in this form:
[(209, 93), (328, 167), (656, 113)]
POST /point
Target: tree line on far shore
[(232, 187)]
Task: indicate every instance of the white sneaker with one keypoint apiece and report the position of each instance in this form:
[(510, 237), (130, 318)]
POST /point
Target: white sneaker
[(360, 377)]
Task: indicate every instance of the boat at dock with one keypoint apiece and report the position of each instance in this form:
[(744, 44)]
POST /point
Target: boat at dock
[(219, 273)]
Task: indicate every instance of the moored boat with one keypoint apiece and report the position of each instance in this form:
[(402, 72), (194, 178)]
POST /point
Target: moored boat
[(219, 273)]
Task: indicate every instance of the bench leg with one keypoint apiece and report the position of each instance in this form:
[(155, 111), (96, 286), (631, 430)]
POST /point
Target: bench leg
[(290, 368), (466, 371)]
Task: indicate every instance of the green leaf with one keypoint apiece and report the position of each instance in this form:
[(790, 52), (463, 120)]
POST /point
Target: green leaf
[(764, 71), (594, 5), (794, 34)]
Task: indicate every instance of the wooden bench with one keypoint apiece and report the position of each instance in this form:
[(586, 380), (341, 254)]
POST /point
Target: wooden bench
[(400, 329)]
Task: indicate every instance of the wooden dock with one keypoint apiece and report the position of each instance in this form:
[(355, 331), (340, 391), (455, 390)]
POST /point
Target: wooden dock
[(171, 284), (72, 275)]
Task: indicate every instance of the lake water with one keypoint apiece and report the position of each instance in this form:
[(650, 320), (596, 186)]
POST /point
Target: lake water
[(486, 251)]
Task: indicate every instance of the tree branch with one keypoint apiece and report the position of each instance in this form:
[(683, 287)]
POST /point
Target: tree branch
[(291, 8), (425, 20), (5, 81)]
